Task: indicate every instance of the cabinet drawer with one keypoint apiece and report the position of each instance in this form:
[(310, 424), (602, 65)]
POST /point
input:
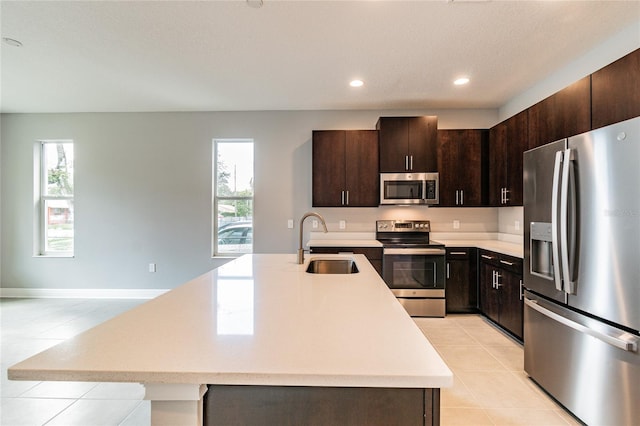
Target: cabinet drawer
[(460, 253), (371, 253), (503, 261)]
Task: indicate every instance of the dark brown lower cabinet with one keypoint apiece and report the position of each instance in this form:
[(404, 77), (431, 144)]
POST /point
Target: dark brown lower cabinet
[(462, 280), (501, 290), (373, 254), (304, 405)]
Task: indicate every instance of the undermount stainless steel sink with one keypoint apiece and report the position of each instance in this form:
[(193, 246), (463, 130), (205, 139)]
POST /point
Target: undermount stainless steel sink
[(332, 266)]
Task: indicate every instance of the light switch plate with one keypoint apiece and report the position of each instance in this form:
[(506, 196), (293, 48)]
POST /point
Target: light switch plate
[(343, 224), (152, 267), (456, 224), (314, 224), (290, 224)]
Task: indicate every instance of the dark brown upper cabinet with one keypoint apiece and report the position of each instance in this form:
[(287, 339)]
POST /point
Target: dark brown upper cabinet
[(462, 155), (563, 114), (345, 168), (615, 93), (408, 144), (507, 143)]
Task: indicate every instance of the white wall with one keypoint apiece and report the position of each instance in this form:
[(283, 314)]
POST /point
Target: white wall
[(625, 41), (143, 191)]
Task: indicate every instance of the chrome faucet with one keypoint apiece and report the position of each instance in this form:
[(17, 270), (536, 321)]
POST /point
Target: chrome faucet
[(301, 250)]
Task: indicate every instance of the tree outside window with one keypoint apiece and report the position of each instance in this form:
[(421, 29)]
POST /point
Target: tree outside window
[(56, 197), (233, 197)]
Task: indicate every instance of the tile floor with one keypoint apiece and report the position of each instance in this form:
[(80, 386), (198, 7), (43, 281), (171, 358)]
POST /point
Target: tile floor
[(490, 387)]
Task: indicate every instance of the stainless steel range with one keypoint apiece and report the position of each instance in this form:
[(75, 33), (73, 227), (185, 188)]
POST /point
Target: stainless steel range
[(413, 266)]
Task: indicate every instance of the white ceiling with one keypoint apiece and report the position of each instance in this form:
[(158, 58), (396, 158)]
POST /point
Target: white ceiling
[(225, 55)]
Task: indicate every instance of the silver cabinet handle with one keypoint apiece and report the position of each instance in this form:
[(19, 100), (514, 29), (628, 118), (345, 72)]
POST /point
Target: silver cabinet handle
[(411, 162), (493, 279), (457, 197), (342, 198), (448, 276), (624, 341), (462, 197), (498, 276), (458, 252), (506, 263), (406, 162), (521, 290), (486, 257), (347, 197)]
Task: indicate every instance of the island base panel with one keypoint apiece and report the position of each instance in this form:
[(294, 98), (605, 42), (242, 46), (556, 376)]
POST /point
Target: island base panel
[(296, 405)]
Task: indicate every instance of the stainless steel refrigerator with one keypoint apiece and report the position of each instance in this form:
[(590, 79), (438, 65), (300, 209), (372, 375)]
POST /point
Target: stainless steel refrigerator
[(582, 272)]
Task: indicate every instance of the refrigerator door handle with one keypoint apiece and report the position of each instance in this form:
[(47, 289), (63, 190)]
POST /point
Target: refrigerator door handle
[(567, 186), (555, 250), (624, 341)]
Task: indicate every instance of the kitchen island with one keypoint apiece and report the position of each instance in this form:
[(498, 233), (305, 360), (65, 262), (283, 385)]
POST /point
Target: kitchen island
[(257, 330)]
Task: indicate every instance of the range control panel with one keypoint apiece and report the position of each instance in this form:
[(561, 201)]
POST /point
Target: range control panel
[(403, 226)]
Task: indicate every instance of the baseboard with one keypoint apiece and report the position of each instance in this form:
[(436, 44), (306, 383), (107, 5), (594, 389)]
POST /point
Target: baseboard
[(86, 293)]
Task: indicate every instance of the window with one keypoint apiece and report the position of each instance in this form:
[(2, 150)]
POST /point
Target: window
[(232, 196), (54, 194)]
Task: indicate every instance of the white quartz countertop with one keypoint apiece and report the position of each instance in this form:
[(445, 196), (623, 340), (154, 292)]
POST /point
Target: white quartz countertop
[(258, 320), (488, 241), (498, 246)]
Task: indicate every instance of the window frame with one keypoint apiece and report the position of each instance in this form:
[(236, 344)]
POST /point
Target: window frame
[(41, 199), (215, 250)]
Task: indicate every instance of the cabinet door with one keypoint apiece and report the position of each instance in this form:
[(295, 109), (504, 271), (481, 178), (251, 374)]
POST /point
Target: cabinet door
[(362, 178), (507, 144), (329, 167), (516, 145), (563, 114), (408, 144), (462, 168), (511, 303), (394, 143), (448, 167), (489, 302), (462, 289), (497, 163), (472, 168), (423, 140), (616, 91)]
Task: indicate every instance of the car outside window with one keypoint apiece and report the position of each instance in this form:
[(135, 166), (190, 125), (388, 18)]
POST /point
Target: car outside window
[(233, 197)]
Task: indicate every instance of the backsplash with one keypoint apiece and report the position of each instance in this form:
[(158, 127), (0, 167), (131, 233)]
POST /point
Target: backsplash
[(481, 219)]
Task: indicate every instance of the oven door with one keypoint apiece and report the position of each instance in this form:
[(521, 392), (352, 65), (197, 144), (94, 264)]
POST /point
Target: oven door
[(414, 268)]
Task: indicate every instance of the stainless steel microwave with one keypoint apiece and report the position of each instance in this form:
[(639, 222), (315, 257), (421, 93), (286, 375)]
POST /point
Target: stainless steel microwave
[(409, 188)]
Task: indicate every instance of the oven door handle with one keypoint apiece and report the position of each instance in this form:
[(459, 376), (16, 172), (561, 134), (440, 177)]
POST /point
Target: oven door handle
[(418, 251)]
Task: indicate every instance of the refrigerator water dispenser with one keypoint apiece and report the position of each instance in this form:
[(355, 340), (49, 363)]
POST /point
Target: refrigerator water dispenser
[(541, 250)]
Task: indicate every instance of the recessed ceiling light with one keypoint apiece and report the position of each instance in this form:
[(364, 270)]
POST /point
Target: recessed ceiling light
[(256, 4), (11, 42), (461, 81), (356, 83)]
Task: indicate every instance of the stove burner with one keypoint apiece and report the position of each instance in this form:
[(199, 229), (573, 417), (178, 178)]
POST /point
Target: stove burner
[(405, 234)]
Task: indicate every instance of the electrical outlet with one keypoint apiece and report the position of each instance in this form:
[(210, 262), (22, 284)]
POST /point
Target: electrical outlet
[(152, 267), (517, 225), (314, 224), (456, 224), (290, 224), (342, 224)]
